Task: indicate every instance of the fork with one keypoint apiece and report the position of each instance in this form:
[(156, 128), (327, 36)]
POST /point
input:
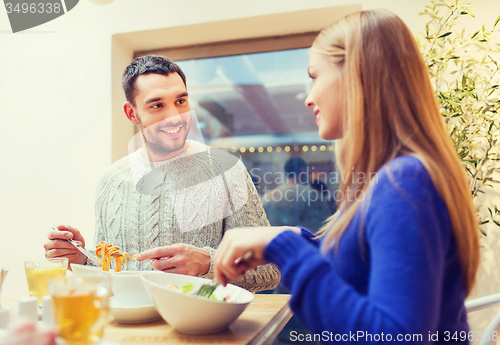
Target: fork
[(207, 290)]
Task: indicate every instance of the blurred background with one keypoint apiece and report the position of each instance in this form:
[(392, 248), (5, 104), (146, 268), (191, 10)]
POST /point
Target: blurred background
[(246, 66)]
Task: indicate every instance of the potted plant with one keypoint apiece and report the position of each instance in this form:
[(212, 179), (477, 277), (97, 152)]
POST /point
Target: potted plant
[(464, 70)]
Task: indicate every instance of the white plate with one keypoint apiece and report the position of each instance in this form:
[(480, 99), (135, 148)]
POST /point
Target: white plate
[(133, 314)]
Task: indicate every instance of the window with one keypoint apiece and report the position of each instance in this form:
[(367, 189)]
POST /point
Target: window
[(252, 105)]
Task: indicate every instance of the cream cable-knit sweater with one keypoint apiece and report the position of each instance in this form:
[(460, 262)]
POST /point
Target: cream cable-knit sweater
[(192, 198)]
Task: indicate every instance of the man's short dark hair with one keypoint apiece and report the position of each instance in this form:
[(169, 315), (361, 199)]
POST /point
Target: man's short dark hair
[(148, 64)]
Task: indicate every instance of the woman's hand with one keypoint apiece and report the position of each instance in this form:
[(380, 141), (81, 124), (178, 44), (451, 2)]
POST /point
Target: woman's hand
[(236, 243)]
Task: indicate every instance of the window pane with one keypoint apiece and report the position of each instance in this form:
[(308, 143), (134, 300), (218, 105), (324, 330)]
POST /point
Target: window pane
[(253, 106)]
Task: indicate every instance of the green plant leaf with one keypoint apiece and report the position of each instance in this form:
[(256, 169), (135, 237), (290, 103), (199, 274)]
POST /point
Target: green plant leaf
[(465, 72), (433, 16), (445, 34)]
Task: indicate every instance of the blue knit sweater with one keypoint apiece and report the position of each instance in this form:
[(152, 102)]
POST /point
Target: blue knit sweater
[(398, 276)]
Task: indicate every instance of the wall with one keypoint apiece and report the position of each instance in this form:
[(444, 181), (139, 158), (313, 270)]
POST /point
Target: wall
[(56, 112)]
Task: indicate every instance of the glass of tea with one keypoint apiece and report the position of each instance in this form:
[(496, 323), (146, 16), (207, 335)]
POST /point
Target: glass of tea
[(38, 273), (80, 310)]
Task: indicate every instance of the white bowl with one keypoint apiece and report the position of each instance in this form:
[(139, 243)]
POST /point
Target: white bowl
[(192, 314), (84, 271), (127, 286), (93, 274), (132, 314)]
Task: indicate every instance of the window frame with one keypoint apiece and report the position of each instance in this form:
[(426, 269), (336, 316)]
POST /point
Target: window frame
[(233, 36)]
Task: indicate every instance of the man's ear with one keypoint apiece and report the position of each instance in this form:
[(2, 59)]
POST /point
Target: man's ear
[(130, 113)]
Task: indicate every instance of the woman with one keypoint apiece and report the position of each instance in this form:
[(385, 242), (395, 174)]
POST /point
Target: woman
[(398, 259)]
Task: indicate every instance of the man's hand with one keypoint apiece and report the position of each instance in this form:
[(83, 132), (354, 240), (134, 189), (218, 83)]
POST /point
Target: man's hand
[(57, 247), (178, 258)]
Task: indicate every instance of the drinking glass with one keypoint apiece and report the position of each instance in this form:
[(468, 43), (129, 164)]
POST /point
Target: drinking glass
[(38, 273), (80, 310)]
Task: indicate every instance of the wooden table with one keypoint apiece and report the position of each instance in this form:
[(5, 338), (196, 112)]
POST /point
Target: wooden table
[(259, 324)]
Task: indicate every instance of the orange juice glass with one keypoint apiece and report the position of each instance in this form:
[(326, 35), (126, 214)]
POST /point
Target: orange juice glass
[(38, 274)]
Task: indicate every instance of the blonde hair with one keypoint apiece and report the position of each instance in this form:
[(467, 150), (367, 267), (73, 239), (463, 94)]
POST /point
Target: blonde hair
[(391, 110)]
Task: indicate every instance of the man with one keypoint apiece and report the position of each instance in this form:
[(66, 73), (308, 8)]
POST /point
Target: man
[(173, 200)]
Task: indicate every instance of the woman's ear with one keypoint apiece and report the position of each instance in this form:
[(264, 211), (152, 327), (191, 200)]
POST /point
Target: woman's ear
[(128, 108)]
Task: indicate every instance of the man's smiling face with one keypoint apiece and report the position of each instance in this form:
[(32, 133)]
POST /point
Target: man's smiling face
[(162, 111)]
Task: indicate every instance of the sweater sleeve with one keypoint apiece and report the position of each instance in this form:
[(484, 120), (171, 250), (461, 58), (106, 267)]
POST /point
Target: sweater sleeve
[(309, 236), (98, 230), (99, 217), (407, 232), (252, 214)]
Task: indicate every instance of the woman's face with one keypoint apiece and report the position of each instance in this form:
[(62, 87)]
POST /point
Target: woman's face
[(326, 97)]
